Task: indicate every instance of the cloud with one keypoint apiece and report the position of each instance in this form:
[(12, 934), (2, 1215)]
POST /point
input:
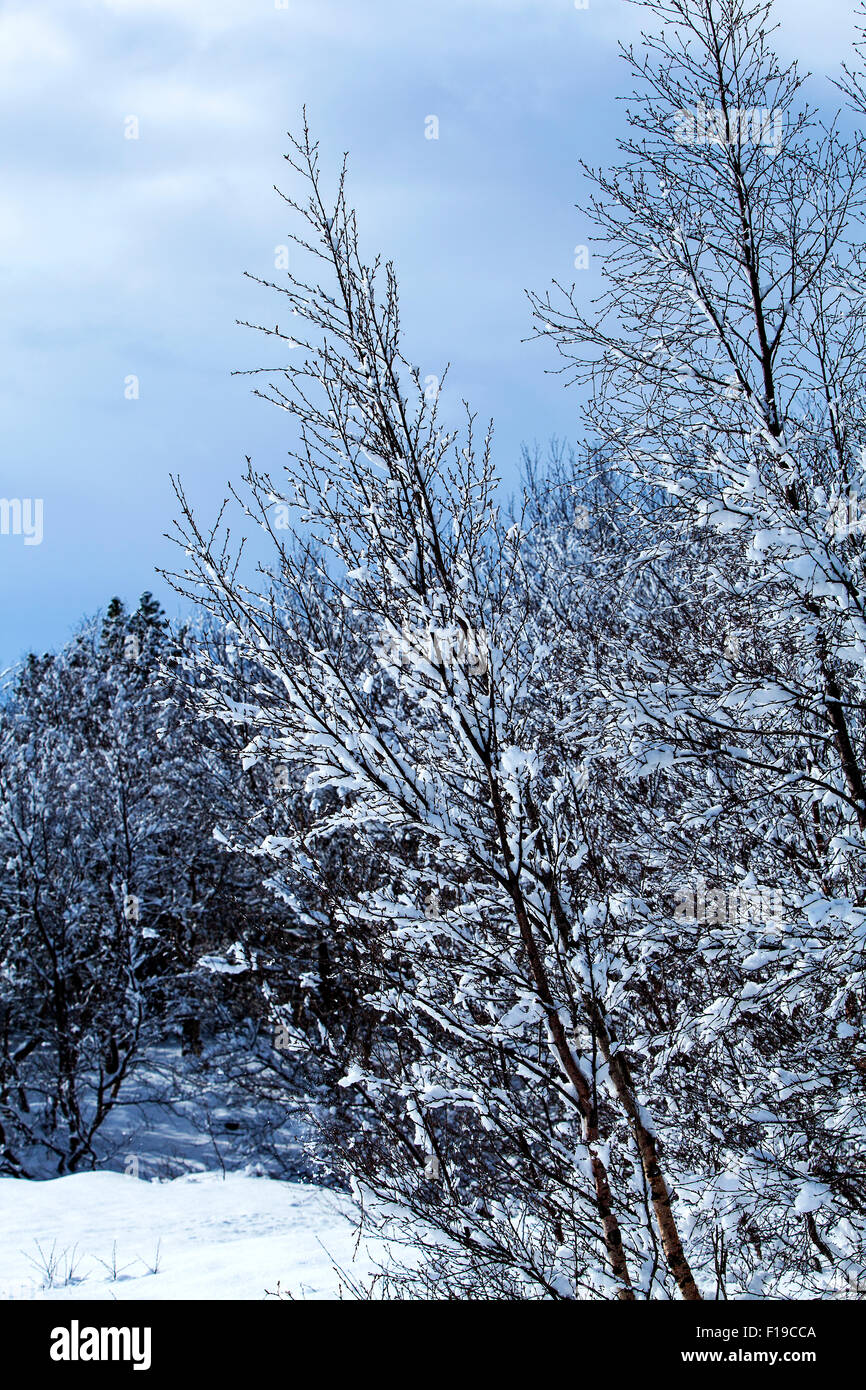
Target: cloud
[(170, 101), (127, 256), (33, 49)]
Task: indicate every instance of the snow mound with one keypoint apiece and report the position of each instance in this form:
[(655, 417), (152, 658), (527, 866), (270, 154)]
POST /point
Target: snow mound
[(105, 1236)]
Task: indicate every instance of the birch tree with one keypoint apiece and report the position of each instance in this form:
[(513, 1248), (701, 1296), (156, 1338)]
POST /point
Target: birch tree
[(419, 691), (725, 366)]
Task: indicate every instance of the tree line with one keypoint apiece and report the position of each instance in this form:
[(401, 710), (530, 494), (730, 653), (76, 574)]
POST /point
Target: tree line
[(480, 754)]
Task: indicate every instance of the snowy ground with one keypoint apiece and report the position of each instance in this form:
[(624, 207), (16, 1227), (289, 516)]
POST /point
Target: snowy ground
[(104, 1235)]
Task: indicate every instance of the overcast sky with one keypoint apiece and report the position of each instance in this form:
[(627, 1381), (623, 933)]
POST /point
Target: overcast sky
[(124, 257)]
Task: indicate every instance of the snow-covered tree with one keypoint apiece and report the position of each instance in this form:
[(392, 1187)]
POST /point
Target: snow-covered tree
[(113, 887), (726, 370), (417, 691), (602, 757)]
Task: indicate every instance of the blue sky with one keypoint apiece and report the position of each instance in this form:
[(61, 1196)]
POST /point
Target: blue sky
[(125, 257)]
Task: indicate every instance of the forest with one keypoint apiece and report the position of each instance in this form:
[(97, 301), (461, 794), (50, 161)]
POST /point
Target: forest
[(506, 846)]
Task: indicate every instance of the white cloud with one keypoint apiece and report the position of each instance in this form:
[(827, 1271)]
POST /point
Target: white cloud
[(32, 50), (209, 15), (167, 101)]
